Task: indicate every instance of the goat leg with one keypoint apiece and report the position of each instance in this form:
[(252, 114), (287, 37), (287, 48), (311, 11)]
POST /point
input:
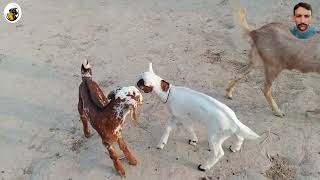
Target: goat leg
[(86, 129), (268, 94), (270, 74), (123, 146), (247, 69), (116, 162)]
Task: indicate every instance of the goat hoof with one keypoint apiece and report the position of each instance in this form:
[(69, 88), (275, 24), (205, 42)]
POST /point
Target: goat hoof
[(133, 162), (278, 114), (122, 173), (232, 150), (201, 169), (228, 96), (192, 142), (160, 146)]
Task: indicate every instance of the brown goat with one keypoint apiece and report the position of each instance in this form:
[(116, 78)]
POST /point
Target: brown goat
[(106, 117), (278, 49)]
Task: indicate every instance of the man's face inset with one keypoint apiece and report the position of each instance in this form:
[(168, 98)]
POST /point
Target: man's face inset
[(302, 18)]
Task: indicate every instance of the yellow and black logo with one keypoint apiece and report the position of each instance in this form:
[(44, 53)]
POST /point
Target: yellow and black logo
[(12, 12)]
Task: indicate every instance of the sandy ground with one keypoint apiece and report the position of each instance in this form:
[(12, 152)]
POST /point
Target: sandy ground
[(191, 44)]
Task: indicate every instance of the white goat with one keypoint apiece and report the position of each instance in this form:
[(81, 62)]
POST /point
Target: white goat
[(187, 105)]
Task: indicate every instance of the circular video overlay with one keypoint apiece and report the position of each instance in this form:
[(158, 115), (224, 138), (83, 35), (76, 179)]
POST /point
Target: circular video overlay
[(12, 12)]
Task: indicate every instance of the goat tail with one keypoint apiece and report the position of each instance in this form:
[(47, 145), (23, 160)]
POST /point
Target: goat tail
[(240, 19), (246, 132)]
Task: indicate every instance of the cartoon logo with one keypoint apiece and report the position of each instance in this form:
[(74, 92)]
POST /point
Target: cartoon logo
[(12, 12)]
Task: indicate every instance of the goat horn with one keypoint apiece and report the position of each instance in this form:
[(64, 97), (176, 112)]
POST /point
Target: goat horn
[(86, 64)]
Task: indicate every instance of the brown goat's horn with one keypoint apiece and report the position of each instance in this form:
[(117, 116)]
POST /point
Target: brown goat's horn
[(86, 64)]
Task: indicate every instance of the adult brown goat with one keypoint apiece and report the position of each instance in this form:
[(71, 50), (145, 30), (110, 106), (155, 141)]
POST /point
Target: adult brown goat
[(278, 49)]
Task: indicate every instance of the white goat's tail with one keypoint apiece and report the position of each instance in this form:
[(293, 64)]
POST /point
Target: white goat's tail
[(240, 19), (246, 132)]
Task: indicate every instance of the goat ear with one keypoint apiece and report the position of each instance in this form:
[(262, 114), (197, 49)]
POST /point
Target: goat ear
[(133, 116), (150, 68), (165, 85), (112, 95)]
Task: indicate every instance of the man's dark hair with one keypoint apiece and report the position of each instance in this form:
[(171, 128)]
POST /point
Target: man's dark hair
[(304, 5)]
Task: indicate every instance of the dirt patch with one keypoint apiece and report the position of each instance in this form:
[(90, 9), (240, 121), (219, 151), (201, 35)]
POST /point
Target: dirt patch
[(212, 56), (28, 170), (280, 169), (76, 145)]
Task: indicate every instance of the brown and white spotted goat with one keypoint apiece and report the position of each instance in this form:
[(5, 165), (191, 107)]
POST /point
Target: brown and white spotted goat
[(107, 116)]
